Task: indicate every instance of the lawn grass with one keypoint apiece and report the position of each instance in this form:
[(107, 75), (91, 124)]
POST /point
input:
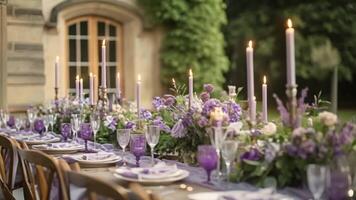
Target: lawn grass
[(343, 114)]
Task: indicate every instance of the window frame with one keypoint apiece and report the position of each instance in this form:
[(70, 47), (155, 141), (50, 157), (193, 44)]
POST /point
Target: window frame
[(93, 53)]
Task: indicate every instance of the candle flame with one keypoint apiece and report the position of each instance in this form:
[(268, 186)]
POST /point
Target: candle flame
[(264, 80), (289, 23), (81, 79), (103, 44), (118, 74), (57, 58), (250, 43), (139, 77), (190, 72), (77, 77), (90, 74)]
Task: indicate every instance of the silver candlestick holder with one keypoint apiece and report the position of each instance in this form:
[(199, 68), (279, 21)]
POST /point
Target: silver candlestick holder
[(291, 92), (103, 101)]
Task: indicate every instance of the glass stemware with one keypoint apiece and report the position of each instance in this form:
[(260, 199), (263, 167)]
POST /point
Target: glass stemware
[(46, 122), (208, 159), (65, 130), (228, 151), (152, 137), (316, 175), (18, 123), (138, 146), (38, 126), (123, 139), (86, 134), (95, 125), (5, 118), (31, 118), (51, 119), (75, 121)]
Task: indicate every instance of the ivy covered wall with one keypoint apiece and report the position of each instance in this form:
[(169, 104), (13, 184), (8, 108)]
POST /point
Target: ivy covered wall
[(193, 39)]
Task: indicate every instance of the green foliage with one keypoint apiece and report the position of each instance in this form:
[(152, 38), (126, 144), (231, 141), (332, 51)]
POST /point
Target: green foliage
[(193, 39), (325, 37)]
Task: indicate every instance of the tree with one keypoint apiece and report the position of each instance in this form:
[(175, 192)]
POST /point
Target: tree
[(193, 39), (325, 26)]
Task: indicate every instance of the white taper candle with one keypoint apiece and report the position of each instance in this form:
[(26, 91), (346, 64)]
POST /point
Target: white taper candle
[(103, 65), (264, 101), (250, 81), (290, 54)]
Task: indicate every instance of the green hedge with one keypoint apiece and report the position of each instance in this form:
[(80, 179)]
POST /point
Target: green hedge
[(193, 39)]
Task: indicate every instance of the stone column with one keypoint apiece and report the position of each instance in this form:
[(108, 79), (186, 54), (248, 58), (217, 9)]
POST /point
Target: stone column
[(3, 53)]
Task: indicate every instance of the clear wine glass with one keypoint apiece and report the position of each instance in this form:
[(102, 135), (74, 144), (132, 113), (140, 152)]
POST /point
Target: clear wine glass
[(2, 113), (46, 122), (52, 119), (95, 125), (18, 123), (228, 151), (31, 117), (316, 175), (123, 139), (152, 137), (75, 126), (5, 119)]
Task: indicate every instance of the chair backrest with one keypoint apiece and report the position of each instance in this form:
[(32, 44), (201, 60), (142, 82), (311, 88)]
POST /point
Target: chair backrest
[(41, 169), (96, 187), (8, 161)]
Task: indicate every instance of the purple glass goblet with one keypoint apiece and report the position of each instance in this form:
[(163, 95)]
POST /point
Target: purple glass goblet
[(39, 126), (208, 159), (65, 130), (86, 133), (138, 146)]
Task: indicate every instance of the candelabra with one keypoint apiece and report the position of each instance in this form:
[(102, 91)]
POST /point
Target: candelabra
[(56, 98), (291, 92), (103, 101)]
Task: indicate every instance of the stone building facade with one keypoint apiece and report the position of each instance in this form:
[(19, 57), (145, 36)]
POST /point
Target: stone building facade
[(34, 32)]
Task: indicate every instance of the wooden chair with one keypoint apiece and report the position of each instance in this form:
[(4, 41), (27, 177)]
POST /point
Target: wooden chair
[(8, 166), (39, 171), (96, 187)]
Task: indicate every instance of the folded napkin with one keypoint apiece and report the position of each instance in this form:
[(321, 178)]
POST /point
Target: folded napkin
[(100, 157), (159, 171), (59, 145)]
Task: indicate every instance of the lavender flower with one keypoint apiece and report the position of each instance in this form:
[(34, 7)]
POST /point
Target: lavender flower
[(209, 88), (234, 111), (158, 103), (110, 122), (169, 101), (254, 155), (145, 114), (282, 111), (205, 96), (158, 121), (209, 106), (178, 130), (130, 125), (203, 122)]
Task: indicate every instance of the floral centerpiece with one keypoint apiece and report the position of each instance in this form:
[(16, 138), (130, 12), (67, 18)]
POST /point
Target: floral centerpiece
[(189, 124), (280, 155)]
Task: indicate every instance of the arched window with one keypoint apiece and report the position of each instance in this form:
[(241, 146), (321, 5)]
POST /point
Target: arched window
[(85, 36)]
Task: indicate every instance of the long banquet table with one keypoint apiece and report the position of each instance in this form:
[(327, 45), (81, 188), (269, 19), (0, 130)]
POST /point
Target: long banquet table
[(173, 191)]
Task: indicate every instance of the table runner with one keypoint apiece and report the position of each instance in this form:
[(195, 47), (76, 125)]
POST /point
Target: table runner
[(197, 174)]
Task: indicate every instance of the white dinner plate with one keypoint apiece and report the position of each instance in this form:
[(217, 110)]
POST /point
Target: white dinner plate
[(106, 161), (181, 174), (59, 148)]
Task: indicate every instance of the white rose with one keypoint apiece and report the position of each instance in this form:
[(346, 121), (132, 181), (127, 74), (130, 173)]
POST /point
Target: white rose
[(328, 118), (269, 129)]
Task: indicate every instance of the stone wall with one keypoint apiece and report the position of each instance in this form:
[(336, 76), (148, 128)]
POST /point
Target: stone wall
[(25, 63), (36, 35)]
